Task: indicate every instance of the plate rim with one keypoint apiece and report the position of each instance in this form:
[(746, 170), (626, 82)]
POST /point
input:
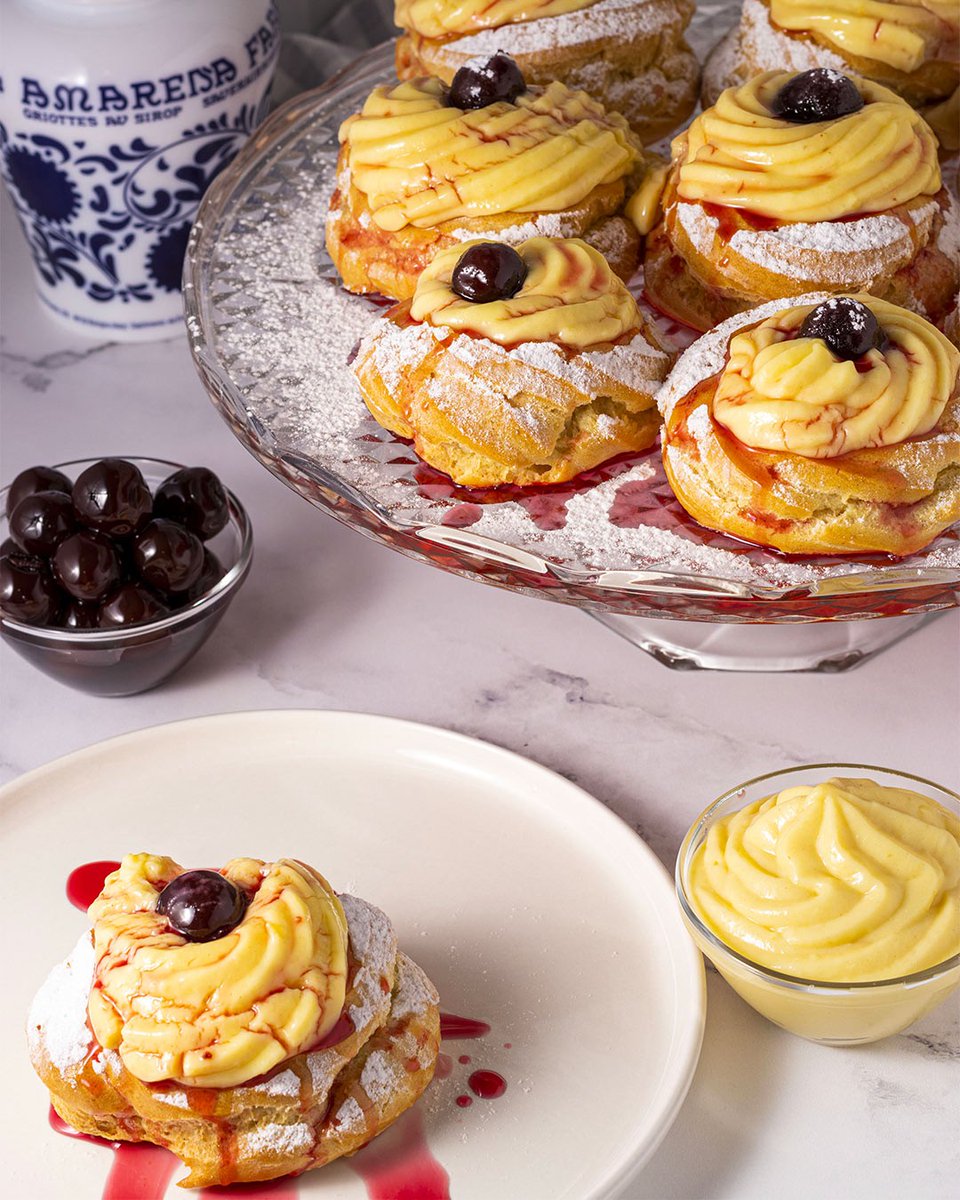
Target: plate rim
[(687, 1032)]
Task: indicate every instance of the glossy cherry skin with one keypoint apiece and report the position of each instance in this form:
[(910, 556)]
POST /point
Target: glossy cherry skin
[(112, 497), (41, 521), (131, 604), (27, 593), (79, 616), (488, 271), (87, 565), (36, 479), (193, 497), (818, 95), (202, 905), (848, 327), (210, 575), (167, 556), (478, 84)]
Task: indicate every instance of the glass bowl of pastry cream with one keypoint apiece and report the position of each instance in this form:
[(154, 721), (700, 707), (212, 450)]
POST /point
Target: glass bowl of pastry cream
[(828, 897)]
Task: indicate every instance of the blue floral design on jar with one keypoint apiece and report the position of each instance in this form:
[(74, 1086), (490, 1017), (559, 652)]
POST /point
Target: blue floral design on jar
[(46, 189), (165, 258)]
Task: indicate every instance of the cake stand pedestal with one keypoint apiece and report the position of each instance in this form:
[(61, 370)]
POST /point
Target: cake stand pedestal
[(828, 646)]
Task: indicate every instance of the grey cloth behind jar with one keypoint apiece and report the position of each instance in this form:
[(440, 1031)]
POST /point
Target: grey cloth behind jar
[(321, 36)]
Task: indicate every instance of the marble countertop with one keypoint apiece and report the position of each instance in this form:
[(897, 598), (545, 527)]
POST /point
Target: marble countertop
[(331, 620)]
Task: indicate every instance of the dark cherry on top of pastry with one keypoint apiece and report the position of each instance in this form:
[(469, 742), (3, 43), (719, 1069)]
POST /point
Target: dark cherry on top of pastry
[(478, 83), (488, 271), (202, 905), (848, 328), (818, 95)]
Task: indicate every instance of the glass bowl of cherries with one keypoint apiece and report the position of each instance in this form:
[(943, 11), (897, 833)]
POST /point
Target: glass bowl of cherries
[(114, 571)]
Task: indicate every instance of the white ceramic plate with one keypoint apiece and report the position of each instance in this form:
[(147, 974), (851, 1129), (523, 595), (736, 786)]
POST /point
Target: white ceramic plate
[(529, 904)]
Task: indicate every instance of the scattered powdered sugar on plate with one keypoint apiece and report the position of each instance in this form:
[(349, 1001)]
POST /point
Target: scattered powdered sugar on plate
[(57, 1024), (279, 334)]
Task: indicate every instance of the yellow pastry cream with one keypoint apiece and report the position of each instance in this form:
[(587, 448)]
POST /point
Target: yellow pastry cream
[(643, 207), (779, 391), (419, 162), (438, 18), (903, 34), (847, 881), (737, 154), (220, 1012), (569, 296)]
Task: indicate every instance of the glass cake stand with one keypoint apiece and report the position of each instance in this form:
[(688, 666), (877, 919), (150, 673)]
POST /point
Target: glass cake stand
[(273, 333)]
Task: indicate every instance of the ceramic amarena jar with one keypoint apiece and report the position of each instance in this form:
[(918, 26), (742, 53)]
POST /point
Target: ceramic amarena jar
[(115, 115)]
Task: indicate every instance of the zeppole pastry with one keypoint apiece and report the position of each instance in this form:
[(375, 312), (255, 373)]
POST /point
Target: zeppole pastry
[(251, 1020), (793, 183), (629, 54), (829, 426), (519, 366), (910, 46), (423, 167)]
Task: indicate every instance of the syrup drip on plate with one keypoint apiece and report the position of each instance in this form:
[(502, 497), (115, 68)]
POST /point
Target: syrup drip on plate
[(488, 1085), (453, 1027), (140, 1170), (398, 1165), (85, 884)]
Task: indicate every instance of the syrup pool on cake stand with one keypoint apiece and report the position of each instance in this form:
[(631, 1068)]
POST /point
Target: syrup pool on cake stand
[(272, 335)]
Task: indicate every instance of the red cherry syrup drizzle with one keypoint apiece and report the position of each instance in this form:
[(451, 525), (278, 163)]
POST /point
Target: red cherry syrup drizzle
[(398, 1166), (487, 1085), (85, 884)]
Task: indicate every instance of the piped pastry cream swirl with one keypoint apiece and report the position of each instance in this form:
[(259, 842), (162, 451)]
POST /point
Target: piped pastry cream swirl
[(737, 154), (847, 881), (779, 391), (216, 1013), (904, 35), (436, 18), (420, 163), (569, 296)]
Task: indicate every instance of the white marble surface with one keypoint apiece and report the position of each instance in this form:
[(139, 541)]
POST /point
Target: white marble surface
[(330, 620)]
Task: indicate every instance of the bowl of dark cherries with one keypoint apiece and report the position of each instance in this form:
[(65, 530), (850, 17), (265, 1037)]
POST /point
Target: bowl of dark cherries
[(114, 571)]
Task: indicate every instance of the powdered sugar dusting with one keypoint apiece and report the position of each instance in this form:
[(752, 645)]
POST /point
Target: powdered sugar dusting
[(842, 253), (57, 1024), (349, 1116), (542, 225), (699, 226), (270, 1137), (414, 993), (374, 945), (285, 1083), (619, 20)]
